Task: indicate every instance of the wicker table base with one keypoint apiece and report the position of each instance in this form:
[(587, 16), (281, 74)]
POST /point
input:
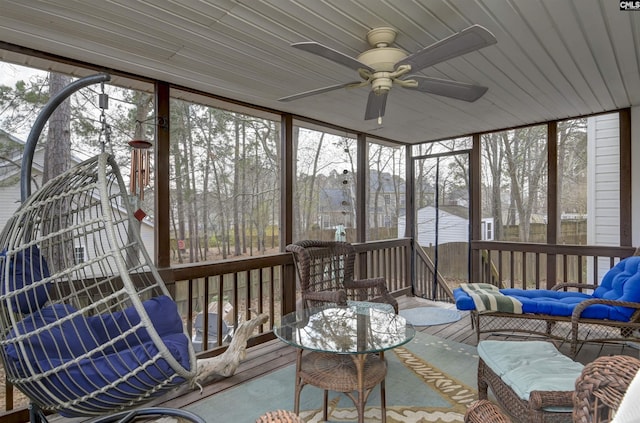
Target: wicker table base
[(279, 416), (355, 375)]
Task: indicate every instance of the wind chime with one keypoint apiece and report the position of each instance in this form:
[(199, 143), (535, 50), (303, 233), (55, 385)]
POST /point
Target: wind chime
[(140, 165), (341, 231), (140, 157), (140, 168)]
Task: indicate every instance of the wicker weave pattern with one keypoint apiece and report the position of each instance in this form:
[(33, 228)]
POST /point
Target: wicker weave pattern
[(326, 274), (600, 388), (86, 206), (599, 392), (334, 372), (354, 375), (484, 411), (279, 416)]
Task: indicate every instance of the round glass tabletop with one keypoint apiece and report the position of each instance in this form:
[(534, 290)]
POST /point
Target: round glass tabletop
[(345, 330)]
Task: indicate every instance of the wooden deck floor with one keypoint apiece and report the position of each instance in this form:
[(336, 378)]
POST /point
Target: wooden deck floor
[(275, 354)]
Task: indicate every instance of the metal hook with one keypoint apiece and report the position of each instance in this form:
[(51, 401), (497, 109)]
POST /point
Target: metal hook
[(103, 103)]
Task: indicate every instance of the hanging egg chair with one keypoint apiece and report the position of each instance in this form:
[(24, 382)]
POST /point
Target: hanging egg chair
[(88, 327)]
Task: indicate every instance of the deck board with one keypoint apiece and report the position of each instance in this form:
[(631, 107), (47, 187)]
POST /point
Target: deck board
[(273, 355)]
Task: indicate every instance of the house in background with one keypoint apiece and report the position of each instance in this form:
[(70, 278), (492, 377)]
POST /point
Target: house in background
[(338, 202), (384, 189), (452, 223), (11, 149), (603, 212), (336, 208)]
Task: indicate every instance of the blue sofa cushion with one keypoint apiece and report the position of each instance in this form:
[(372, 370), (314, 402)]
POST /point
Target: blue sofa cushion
[(544, 301), (463, 300), (621, 282)]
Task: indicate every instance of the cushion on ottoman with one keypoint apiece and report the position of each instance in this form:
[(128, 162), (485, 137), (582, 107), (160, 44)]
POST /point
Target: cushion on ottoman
[(528, 366)]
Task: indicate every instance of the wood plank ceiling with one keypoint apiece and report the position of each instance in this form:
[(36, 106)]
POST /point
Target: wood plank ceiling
[(553, 59)]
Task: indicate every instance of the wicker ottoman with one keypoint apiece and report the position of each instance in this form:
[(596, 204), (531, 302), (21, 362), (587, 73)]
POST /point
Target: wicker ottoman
[(531, 380)]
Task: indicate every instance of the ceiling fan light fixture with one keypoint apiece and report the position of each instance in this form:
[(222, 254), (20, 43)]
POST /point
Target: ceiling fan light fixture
[(382, 59), (381, 84)]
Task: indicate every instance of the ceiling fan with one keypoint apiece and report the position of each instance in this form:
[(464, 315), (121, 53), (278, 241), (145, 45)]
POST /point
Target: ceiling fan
[(383, 66)]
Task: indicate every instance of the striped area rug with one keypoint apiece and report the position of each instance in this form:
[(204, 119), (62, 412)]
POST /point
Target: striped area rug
[(428, 380)]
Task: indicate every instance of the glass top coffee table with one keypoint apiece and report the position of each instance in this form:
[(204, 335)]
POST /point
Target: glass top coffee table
[(342, 349)]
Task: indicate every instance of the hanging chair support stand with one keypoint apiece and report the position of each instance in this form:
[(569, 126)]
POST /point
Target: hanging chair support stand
[(63, 210), (36, 414), (41, 120)]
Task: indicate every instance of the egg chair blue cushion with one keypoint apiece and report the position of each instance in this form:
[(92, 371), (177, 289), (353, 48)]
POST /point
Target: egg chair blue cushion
[(53, 350), (621, 283), (25, 268)]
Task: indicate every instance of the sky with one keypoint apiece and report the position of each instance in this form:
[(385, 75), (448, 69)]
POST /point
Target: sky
[(10, 73)]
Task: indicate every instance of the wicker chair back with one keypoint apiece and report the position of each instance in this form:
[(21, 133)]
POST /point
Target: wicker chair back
[(326, 275), (601, 387)]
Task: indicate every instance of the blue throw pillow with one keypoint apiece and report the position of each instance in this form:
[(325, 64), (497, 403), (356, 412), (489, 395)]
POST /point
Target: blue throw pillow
[(26, 267), (622, 283)]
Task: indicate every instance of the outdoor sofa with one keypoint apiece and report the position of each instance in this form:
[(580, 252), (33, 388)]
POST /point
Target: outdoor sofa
[(608, 312)]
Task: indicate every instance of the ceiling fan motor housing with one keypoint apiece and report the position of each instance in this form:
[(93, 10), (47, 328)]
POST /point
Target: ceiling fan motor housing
[(382, 59)]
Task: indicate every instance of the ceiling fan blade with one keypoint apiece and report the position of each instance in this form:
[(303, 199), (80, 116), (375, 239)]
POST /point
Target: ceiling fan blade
[(331, 54), (448, 88), (473, 38), (375, 105), (318, 91)]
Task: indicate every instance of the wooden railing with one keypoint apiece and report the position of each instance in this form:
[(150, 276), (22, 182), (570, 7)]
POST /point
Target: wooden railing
[(390, 260), (426, 283), (265, 284), (268, 285), (535, 266), (248, 286)]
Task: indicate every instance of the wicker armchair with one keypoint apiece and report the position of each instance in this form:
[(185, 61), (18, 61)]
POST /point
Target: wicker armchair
[(601, 387), (599, 392), (484, 411), (326, 271)]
